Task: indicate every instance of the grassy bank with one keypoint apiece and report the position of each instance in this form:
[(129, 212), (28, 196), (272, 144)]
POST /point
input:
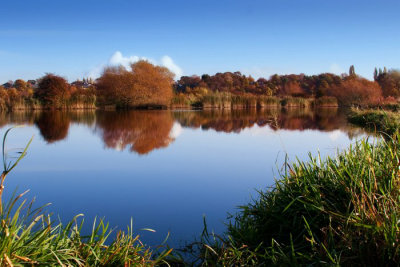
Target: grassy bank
[(35, 239), (338, 211), (376, 120)]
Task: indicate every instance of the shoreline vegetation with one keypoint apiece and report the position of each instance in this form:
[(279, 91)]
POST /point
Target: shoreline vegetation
[(147, 86), (386, 122)]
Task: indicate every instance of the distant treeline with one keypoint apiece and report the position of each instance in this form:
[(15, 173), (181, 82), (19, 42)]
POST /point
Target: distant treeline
[(348, 89), (48, 92), (146, 85)]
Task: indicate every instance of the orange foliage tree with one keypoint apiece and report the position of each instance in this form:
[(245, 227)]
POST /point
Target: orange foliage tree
[(293, 88), (355, 90), (3, 98), (114, 87), (390, 83), (145, 85), (53, 90)]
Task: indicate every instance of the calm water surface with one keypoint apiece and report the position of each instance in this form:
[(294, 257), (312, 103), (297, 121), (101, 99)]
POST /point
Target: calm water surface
[(164, 169)]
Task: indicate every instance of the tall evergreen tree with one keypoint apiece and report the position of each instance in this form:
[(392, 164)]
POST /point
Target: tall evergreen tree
[(352, 71), (375, 74)]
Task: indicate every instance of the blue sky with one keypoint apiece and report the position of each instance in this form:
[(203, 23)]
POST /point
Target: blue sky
[(77, 38)]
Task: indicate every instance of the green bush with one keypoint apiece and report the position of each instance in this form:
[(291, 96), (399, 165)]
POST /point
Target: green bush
[(376, 120)]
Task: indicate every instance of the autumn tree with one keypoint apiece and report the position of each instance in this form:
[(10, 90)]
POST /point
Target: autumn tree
[(13, 96), (357, 91), (20, 85), (115, 87), (152, 84), (390, 83), (3, 99), (24, 89), (53, 90), (293, 88), (188, 82), (144, 85)]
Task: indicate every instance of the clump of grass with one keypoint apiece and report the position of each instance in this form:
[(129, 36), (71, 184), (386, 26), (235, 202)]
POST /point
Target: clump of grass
[(376, 120), (29, 236), (244, 101), (295, 102), (216, 100), (180, 100), (343, 210), (268, 101)]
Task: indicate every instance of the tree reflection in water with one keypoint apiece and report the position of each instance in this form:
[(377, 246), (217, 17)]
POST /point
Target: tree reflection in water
[(53, 126), (324, 119), (143, 131)]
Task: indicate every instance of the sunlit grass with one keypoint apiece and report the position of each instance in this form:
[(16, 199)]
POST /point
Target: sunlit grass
[(341, 210)]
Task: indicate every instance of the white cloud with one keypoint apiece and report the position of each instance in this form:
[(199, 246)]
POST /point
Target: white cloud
[(336, 69), (167, 62), (119, 59), (335, 135), (176, 130), (96, 71)]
